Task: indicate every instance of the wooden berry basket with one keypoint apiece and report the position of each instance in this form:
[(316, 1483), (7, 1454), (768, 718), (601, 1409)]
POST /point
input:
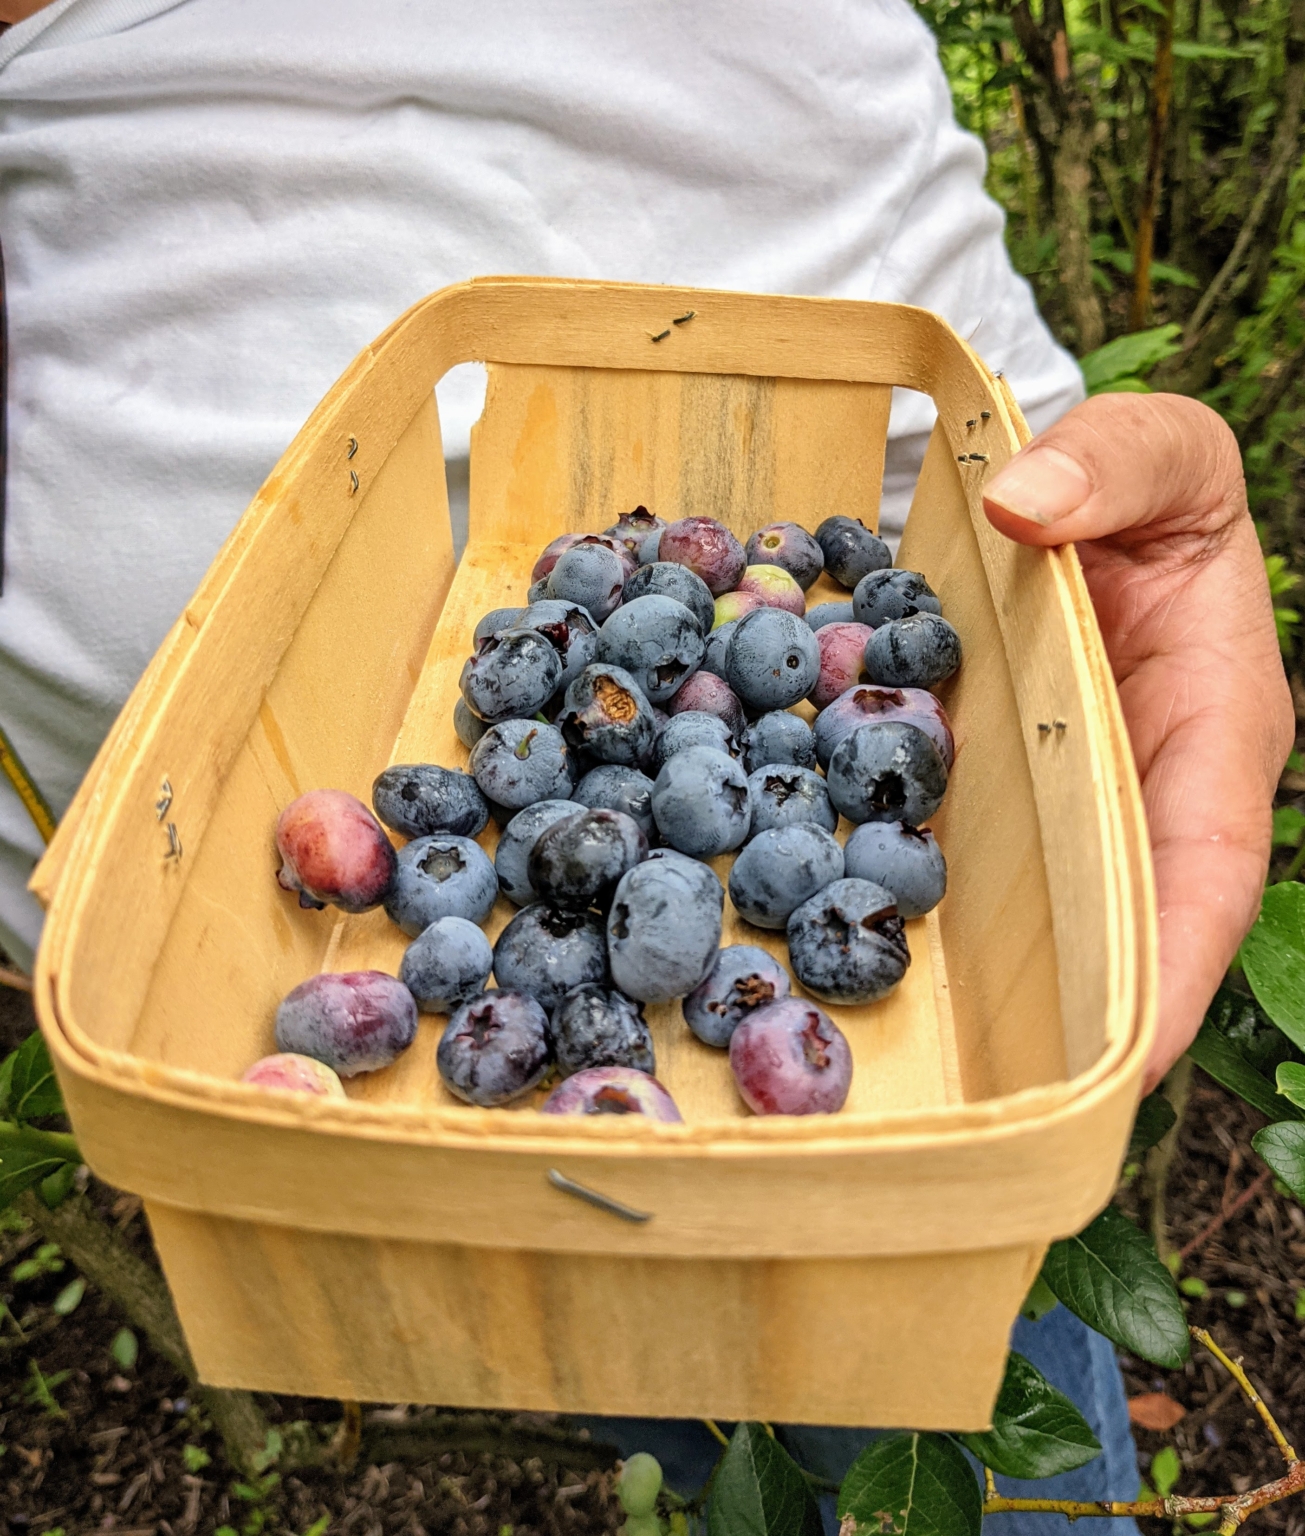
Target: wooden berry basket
[(859, 1268)]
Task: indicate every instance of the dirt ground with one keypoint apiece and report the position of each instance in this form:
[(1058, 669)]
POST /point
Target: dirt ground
[(91, 1444)]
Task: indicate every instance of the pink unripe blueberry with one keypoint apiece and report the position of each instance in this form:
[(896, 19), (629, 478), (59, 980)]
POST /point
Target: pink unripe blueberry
[(611, 1091), (354, 1021), (775, 587), (709, 550), (296, 1074), (842, 660), (733, 605), (790, 1058), (552, 553), (334, 850), (710, 695)]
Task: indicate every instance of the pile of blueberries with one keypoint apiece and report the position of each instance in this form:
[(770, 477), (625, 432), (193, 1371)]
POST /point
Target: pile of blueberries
[(631, 721)]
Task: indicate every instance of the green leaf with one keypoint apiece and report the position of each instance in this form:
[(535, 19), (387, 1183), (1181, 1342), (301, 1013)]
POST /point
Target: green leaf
[(912, 1485), (56, 1187), (69, 1299), (1036, 1431), (1273, 958), (1166, 1469), (22, 1166), (1214, 1053), (1291, 1082), (30, 1089), (196, 1458), (1288, 826), (1155, 1119), (1128, 386), (1129, 356), (1109, 1276), (1038, 1302), (124, 1348), (759, 1490), (1186, 50), (1282, 1146)]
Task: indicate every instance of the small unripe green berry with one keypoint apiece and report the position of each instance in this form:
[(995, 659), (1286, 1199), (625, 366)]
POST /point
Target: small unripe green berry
[(642, 1525), (638, 1486)]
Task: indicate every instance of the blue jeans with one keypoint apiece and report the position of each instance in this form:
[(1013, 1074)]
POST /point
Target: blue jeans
[(1081, 1363)]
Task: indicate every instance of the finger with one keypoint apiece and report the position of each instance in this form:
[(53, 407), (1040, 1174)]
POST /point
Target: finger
[(1152, 466)]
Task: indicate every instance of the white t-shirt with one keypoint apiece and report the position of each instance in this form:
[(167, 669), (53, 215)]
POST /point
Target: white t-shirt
[(207, 207)]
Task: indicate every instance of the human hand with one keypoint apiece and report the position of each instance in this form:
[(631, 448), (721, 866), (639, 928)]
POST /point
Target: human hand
[(1150, 488)]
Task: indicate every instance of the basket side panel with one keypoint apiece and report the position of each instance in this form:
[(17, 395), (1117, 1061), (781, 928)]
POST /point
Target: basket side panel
[(814, 1341), (562, 449), (996, 919), (236, 943)]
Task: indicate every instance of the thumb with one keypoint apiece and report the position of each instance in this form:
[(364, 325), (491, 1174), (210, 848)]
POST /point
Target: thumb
[(1133, 467)]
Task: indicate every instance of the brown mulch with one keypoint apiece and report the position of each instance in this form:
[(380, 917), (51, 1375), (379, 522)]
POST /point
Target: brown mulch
[(126, 1451)]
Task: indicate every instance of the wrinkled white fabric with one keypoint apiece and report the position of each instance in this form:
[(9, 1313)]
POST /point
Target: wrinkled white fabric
[(209, 206)]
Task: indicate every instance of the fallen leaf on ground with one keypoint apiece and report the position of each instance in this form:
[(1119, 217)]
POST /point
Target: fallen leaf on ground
[(1155, 1410)]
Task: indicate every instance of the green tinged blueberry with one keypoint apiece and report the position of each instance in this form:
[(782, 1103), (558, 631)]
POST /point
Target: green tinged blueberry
[(546, 950), (494, 1048), (847, 943), (595, 1026), (663, 928), (906, 861), (742, 979), (639, 1484), (780, 795), (780, 869), (518, 838), (918, 652), (446, 964), (789, 546), (418, 799), (700, 801), (886, 772)]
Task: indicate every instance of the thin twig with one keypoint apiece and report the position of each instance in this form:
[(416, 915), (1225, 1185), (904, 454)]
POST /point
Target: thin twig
[(1220, 1217), (989, 1484), (716, 1430), (1234, 1369), (15, 979)]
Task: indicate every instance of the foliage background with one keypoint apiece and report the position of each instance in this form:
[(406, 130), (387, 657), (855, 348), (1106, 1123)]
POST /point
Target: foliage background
[(1148, 156)]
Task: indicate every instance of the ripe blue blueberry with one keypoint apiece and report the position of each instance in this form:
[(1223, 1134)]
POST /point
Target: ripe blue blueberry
[(700, 801), (614, 787), (518, 838), (780, 795), (829, 613), (847, 943), (693, 728), (353, 1021), (595, 1026), (919, 652), (570, 631), (591, 575), (781, 869), (851, 550), (664, 927), (772, 659), (713, 658), (658, 642), (494, 1048), (520, 761), (887, 772), (577, 862), (546, 951), (667, 578), (742, 979), (496, 619), (470, 728), (778, 737), (512, 675), (441, 876), (906, 861), (892, 594), (607, 716), (446, 964), (420, 798)]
